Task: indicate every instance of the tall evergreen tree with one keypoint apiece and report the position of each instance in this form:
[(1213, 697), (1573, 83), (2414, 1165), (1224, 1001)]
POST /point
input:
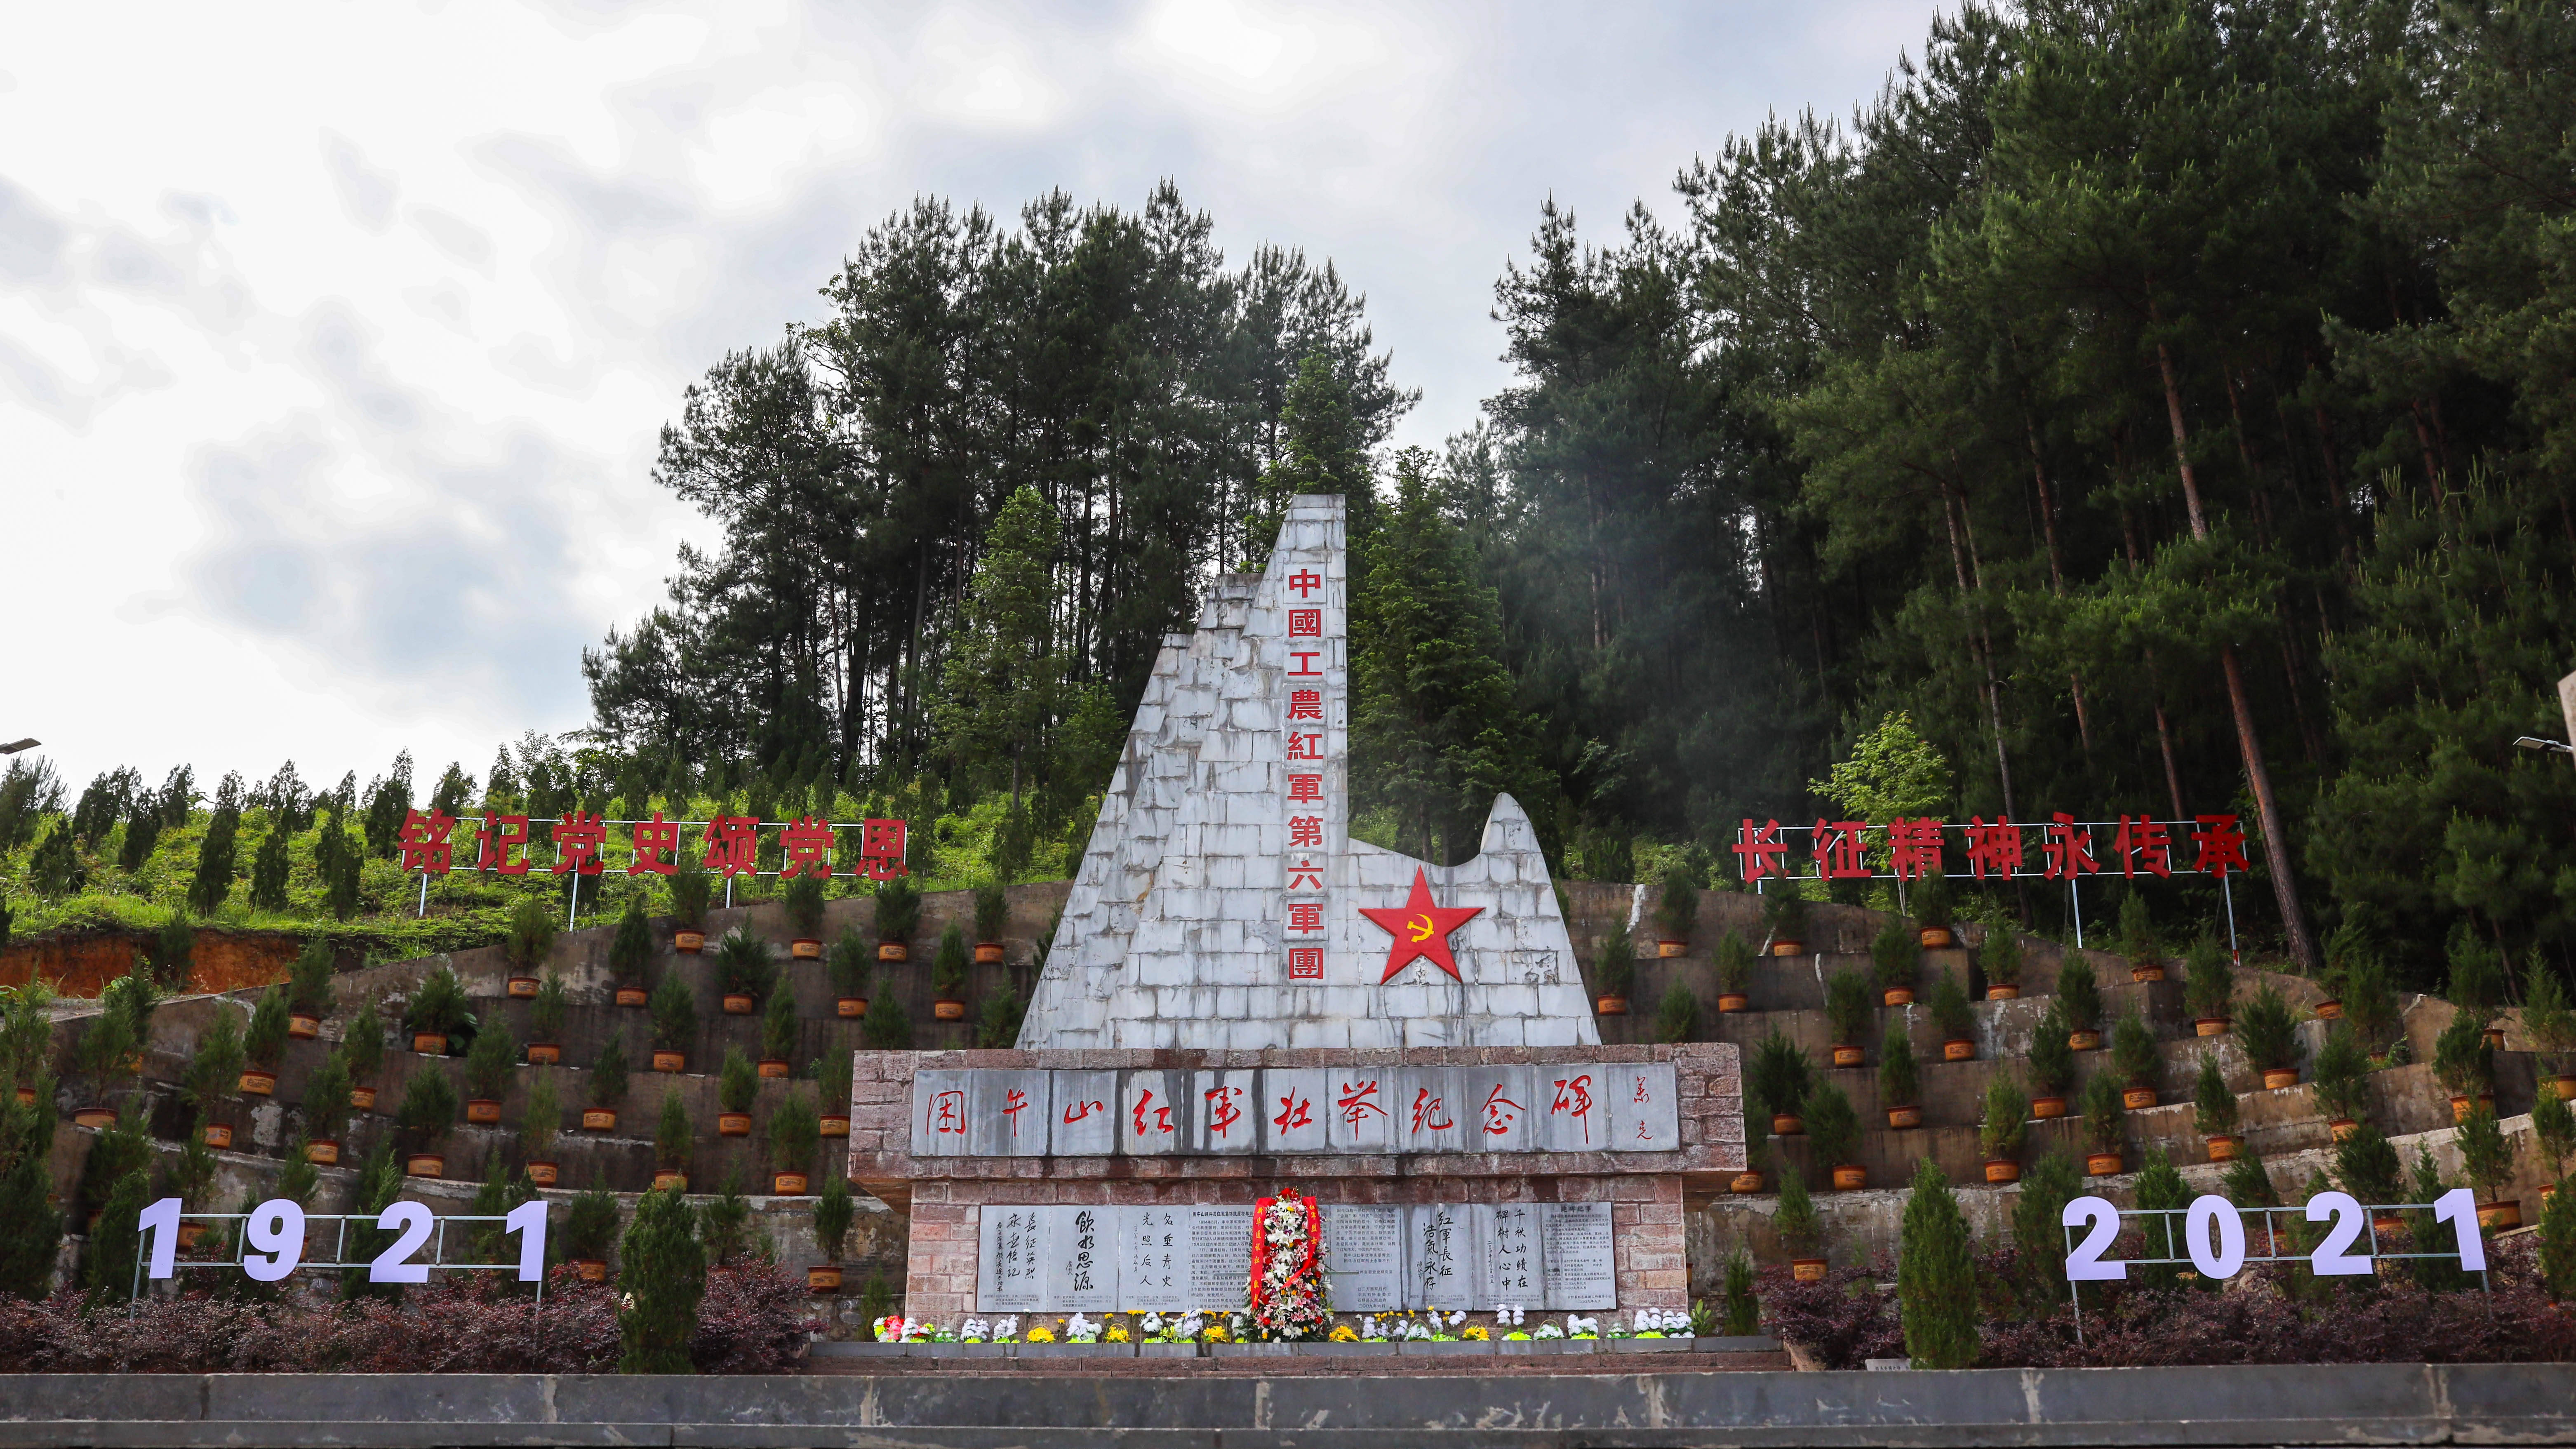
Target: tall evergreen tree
[(214, 877)]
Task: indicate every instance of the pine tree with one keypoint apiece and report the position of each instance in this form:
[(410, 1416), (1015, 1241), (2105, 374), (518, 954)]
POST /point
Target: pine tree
[(55, 867), (268, 867), (662, 1275), (2557, 1242), (31, 1227), (2039, 1238), (1936, 1275), (2160, 1187), (1002, 668), (214, 877)]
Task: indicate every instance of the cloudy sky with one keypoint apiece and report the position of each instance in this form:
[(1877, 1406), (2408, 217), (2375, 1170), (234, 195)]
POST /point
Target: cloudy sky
[(334, 338)]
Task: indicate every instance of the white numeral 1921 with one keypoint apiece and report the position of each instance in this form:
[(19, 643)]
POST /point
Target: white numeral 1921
[(273, 1240), (2213, 1231)]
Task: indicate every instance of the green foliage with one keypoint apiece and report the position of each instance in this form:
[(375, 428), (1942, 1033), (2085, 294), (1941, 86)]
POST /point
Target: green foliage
[(1894, 954), (2442, 1274), (2366, 1166), (1936, 1275), (2104, 1127), (2209, 982), (1742, 1315), (31, 1226), (1848, 1002), (1003, 671), (992, 911), (851, 964), (2462, 1061), (674, 1009), (804, 901), (214, 875), (2553, 1129), (691, 886), (1952, 1016), (631, 947), (876, 1302), (541, 1118), (2557, 1242), (1677, 1015), (948, 966), (2134, 1059), (608, 1071), (794, 1129), (2248, 1183), (1780, 1078), (2007, 1113), (2079, 994), (724, 1225), (1899, 1084), (672, 1136), (533, 929), (2547, 1016), (1784, 911), (1800, 1231), (326, 1099), (213, 1075), (309, 982), (437, 1004), (2161, 1189), (2370, 1004), (363, 1044), (997, 1023), (831, 1074), (898, 909), (662, 1275), (1833, 1129), (1892, 771), (429, 1104), (590, 1227), (778, 1027), (742, 963), (2138, 932), (1614, 964), (2213, 1104), (264, 1043), (2051, 1062), (2477, 973), (2269, 1031), (1677, 903), (546, 1011), (833, 1213), (108, 1260), (1734, 962), (888, 1024), (2484, 1154), (27, 1031), (2038, 1233), (737, 1081), (490, 1061), (2001, 955)]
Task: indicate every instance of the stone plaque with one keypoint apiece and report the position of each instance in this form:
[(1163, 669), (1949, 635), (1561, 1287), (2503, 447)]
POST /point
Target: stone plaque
[(1363, 1105), (1083, 1118), (1220, 1256), (1572, 1116), (1515, 1259), (1498, 1109), (1227, 1115), (1575, 1253), (939, 1113), (1006, 1113), (1428, 1115), (1151, 1122), (1081, 1259), (1644, 1113), (1010, 1273), (1444, 1262), (1364, 1257), (1296, 1110), (1154, 1259)]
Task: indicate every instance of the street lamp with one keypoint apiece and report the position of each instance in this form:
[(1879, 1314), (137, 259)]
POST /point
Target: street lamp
[(2531, 742), (12, 749)]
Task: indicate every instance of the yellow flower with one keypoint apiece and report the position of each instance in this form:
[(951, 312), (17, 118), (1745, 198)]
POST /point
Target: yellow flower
[(1117, 1333), (1343, 1333), (1215, 1333), (1476, 1333), (1041, 1334)]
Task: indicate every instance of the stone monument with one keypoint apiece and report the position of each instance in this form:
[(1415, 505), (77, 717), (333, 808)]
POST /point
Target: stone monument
[(1242, 999)]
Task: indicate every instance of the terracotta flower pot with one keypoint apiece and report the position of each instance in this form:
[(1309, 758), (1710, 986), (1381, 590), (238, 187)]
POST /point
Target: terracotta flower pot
[(835, 1126), (363, 1098), (1896, 996), (787, 1184), (670, 1177), (482, 1111), (2276, 1078), (544, 1174), (2138, 1099), (1733, 1001), (545, 1054), (2495, 1038), (26, 1096), (599, 1119), (1611, 1005), (2387, 1225), (1789, 946), (688, 943), (2044, 1108), (1934, 938), (2460, 1108), (738, 1003), (823, 1278), (1745, 1182), (2146, 973), (592, 1270), (425, 1164), (325, 1153), (2548, 1190), (851, 1008), (893, 951), (2209, 1026), (634, 996), (733, 1124), (670, 1061), (2342, 1128), (2084, 1041), (1787, 1124), (1849, 1177), (805, 948), (2224, 1147), (1847, 1055), (2102, 1164), (772, 1067), (946, 1010), (1806, 1270), (302, 1027), (258, 1083), (215, 1134), (1667, 950), (429, 1043), (1901, 1117), (2004, 991), (95, 1118), (521, 987), (191, 1234), (1959, 1049), (2565, 1087), (988, 953), (2002, 1169), (2329, 1010)]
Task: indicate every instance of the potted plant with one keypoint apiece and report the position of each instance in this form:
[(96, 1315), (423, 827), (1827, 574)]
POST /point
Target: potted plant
[(436, 1011), (1784, 912), (2552, 1028), (364, 1047), (1734, 973), (489, 1063), (2134, 1061), (1676, 911), (737, 1085), (2553, 1132), (833, 1212), (1847, 1003), (590, 1230), (308, 990), (546, 1022), (2102, 1126), (2477, 980), (629, 951), (2463, 1062), (992, 918), (1613, 967), (1932, 913), (427, 1115), (1900, 1089), (2366, 1166), (2080, 997), (690, 887), (1757, 1158), (850, 969), (100, 1060), (804, 903), (2214, 1110), (1834, 1129), (898, 916), (1779, 1083), (264, 1044), (213, 1078), (326, 1110), (1893, 954), (793, 1131), (2138, 940), (2001, 956), (2051, 1062), (1954, 1019), (2342, 1068), (948, 976), (1801, 1235), (2271, 1038), (742, 970), (2208, 986), (2488, 1160), (778, 1035), (832, 1092), (530, 938), (2349, 944), (672, 1139), (675, 1023), (1999, 1133), (540, 1123), (607, 1084)]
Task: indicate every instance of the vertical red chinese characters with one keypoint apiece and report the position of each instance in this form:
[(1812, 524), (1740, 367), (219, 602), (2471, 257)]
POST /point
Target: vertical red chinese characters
[(1313, 616)]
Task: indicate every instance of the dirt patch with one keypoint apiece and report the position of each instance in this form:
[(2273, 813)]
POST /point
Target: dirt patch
[(81, 966)]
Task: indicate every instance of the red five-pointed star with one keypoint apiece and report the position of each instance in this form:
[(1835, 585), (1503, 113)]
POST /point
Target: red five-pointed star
[(1421, 929)]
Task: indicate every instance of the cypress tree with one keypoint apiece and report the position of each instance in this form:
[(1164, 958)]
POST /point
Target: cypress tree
[(662, 1274), (2039, 1237), (2160, 1185), (214, 878), (268, 866), (31, 1228), (107, 1261), (1743, 1313), (380, 1181), (2557, 1241), (1936, 1275)]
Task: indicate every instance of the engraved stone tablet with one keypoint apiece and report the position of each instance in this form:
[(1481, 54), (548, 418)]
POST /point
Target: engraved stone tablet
[(1220, 1256), (939, 1115), (1498, 1109), (1296, 1109), (1515, 1262), (1644, 1113), (1428, 1115), (1444, 1263), (1226, 1116), (1154, 1259), (1574, 1244), (1010, 1249), (1363, 1103), (1364, 1257), (1081, 1259), (1083, 1117), (1572, 1116), (1006, 1112), (1151, 1122)]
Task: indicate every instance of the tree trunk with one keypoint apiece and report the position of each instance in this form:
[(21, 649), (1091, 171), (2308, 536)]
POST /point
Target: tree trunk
[(1985, 649), (2056, 569)]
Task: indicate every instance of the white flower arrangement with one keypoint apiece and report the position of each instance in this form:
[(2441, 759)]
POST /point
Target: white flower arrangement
[(1153, 1324), (1457, 1319), (1582, 1327), (1081, 1330), (1510, 1315), (1006, 1329), (973, 1330), (1661, 1322), (1192, 1324), (1548, 1330)]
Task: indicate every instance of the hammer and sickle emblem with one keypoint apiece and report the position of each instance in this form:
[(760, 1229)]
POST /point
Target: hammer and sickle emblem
[(1421, 927)]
